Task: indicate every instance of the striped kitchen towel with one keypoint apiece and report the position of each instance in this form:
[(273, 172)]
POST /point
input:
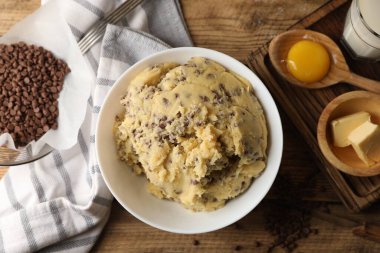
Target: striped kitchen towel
[(61, 203)]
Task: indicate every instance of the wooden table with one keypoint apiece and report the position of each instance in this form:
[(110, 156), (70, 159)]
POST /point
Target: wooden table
[(234, 27)]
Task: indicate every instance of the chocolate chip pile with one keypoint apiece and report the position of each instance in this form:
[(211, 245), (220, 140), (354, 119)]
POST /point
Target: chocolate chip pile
[(31, 79)]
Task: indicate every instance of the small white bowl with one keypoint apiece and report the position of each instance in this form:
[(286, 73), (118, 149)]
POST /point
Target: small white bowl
[(130, 190)]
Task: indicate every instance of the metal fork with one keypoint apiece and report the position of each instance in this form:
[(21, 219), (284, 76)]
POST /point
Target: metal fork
[(97, 30)]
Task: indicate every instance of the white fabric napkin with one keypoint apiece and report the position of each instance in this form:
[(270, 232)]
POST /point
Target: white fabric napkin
[(61, 203)]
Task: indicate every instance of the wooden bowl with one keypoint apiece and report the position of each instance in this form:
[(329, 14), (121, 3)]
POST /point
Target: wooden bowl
[(339, 70), (345, 159)]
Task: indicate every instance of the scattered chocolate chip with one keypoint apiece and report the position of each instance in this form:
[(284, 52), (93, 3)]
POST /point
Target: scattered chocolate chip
[(257, 244), (196, 242), (238, 226), (238, 248), (289, 217), (306, 231)]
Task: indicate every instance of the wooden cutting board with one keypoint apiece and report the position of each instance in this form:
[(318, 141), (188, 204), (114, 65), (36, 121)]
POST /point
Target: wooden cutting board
[(304, 106)]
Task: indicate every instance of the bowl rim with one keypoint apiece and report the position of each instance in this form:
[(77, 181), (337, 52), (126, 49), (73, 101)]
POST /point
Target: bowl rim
[(278, 127), (325, 146)]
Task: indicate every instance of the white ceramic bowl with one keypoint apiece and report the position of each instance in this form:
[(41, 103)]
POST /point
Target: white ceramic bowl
[(130, 190)]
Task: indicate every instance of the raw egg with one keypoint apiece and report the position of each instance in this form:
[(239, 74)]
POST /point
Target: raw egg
[(308, 61)]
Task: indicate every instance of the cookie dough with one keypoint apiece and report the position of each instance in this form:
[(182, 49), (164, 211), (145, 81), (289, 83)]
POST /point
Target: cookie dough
[(196, 131)]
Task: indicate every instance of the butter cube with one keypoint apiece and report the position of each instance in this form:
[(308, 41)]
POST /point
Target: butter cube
[(342, 127), (365, 140)]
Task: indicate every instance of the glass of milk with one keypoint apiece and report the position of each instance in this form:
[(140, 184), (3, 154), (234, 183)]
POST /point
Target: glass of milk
[(361, 33)]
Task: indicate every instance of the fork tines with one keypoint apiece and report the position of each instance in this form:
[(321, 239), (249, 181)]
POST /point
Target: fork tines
[(97, 30)]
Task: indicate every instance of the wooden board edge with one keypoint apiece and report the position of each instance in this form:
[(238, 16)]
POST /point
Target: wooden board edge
[(318, 14)]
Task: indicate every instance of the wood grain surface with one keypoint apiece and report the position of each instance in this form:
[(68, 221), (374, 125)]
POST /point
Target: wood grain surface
[(235, 27)]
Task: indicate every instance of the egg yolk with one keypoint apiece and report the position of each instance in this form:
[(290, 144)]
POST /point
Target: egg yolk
[(308, 61)]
